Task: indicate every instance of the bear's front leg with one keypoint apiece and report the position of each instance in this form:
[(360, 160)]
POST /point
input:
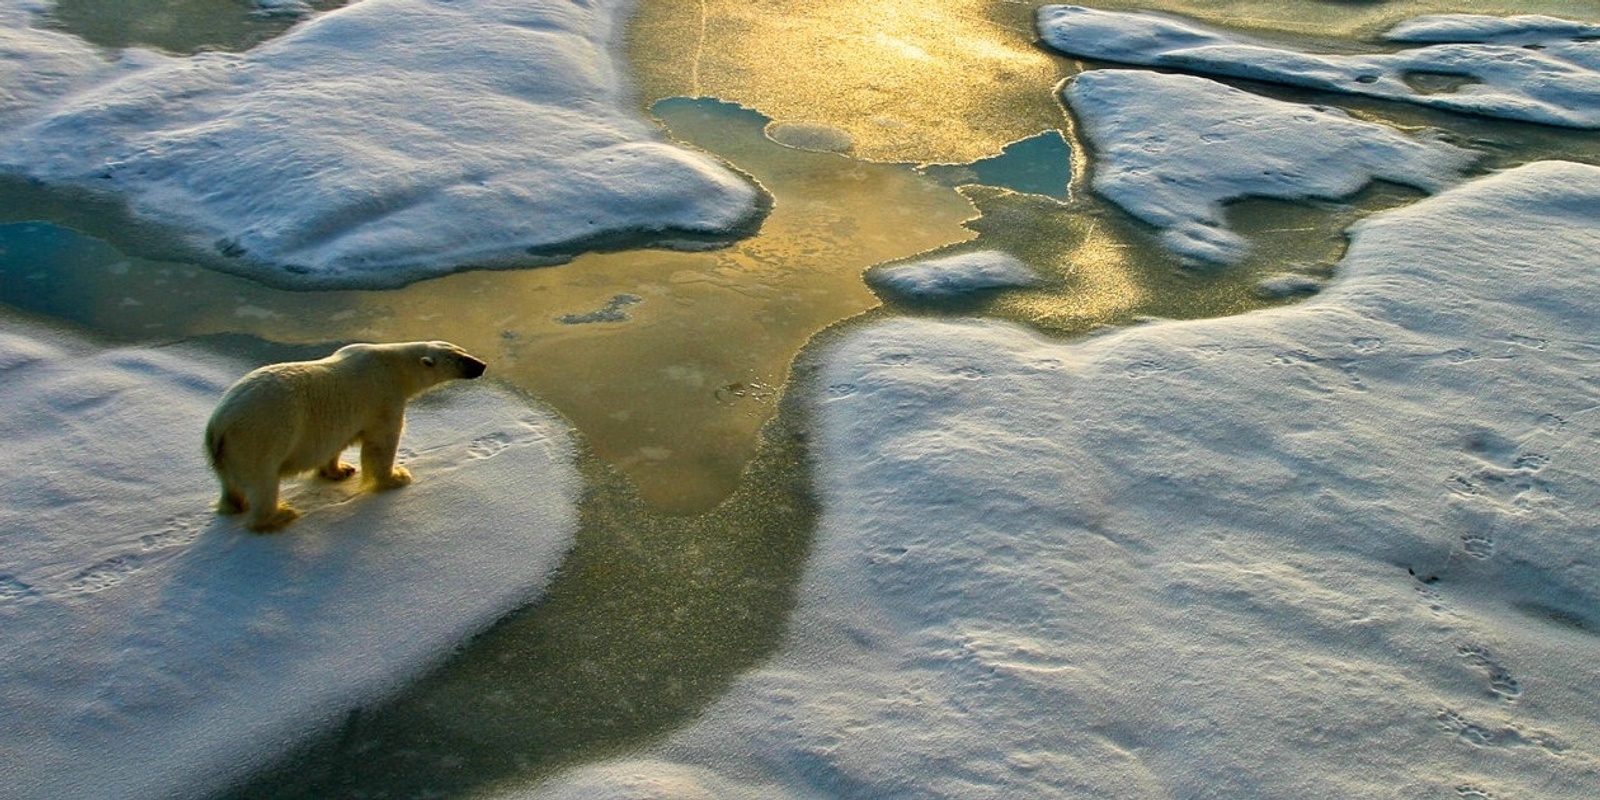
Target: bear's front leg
[(377, 460)]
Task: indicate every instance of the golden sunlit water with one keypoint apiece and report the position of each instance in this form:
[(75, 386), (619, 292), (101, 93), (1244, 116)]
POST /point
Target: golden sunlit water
[(697, 520), (907, 80)]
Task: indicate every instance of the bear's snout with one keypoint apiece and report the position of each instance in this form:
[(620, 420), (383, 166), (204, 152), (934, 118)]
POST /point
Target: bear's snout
[(472, 367)]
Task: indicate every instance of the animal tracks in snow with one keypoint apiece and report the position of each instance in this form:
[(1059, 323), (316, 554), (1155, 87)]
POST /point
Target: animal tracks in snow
[(1507, 735), (102, 576), (150, 547), (483, 445), (110, 571), (178, 531), (489, 445), (1327, 374), (1502, 481), (13, 590), (1502, 683)]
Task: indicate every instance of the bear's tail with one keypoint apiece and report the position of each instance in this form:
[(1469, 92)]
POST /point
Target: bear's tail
[(214, 448)]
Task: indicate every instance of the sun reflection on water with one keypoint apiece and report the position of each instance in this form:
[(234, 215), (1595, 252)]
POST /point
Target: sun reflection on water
[(908, 80)]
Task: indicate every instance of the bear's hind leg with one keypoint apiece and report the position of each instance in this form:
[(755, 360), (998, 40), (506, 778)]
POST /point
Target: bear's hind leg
[(336, 470), (231, 501), (266, 513)]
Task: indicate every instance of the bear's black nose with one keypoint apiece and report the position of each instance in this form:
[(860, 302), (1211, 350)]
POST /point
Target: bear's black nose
[(473, 368)]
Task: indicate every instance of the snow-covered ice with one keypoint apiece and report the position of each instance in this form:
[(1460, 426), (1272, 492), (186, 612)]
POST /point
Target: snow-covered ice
[(38, 66), (1337, 549), (155, 650), (950, 276), (1173, 149), (1520, 29), (374, 145), (1530, 68)]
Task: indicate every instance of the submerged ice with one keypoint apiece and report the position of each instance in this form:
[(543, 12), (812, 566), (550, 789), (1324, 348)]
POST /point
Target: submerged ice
[(371, 146)]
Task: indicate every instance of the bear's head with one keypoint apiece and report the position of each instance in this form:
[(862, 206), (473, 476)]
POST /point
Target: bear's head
[(450, 361)]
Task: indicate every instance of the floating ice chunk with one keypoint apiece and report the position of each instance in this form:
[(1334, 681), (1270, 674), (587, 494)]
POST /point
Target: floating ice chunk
[(1173, 149), (1172, 560), (951, 276), (156, 650), (1287, 285), (281, 8), (389, 141), (1534, 69)]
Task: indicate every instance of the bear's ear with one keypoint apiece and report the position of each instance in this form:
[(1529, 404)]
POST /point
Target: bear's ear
[(427, 361)]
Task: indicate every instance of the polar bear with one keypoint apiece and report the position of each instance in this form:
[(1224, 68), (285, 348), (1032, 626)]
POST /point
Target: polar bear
[(285, 419)]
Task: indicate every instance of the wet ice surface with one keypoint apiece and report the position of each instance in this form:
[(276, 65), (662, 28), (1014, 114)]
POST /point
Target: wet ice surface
[(386, 142), (154, 649), (1529, 68), (1331, 549), (1172, 149)]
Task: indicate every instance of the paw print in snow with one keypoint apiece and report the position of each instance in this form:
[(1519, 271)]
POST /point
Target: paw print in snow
[(489, 445)]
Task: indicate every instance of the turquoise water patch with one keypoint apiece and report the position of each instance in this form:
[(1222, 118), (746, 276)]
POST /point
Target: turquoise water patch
[(1040, 164)]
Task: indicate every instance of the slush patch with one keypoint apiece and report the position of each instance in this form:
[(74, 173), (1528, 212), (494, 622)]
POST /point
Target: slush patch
[(615, 310)]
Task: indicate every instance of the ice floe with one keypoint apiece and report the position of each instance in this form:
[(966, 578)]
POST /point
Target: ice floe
[(1173, 149), (156, 650), (1529, 68), (37, 66), (1337, 549), (945, 277), (378, 144)]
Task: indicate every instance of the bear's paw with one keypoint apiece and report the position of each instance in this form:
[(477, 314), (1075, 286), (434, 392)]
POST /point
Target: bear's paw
[(398, 477)]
